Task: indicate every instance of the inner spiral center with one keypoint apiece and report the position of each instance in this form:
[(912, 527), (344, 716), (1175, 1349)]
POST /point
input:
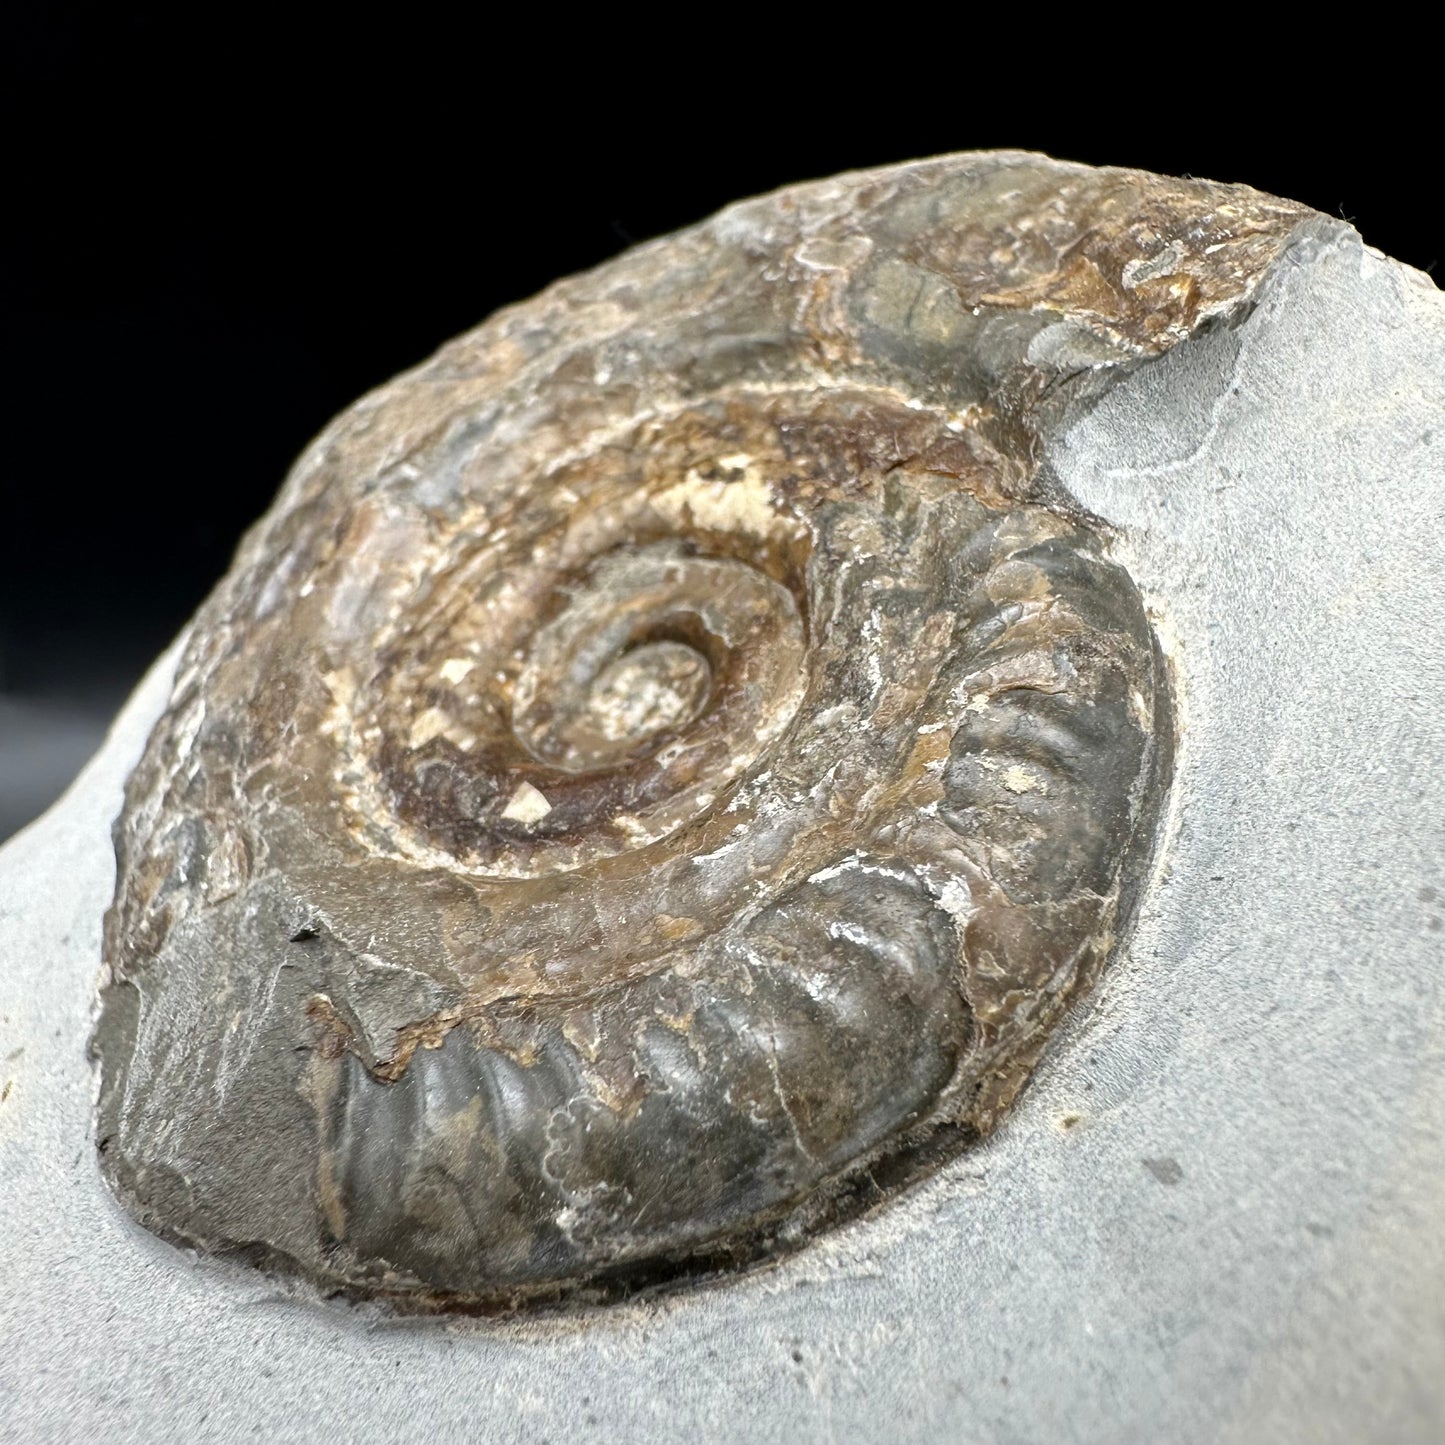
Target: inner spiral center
[(656, 679), (654, 686), (605, 705)]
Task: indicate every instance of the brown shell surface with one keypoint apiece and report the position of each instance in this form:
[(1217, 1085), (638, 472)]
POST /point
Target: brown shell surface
[(661, 770)]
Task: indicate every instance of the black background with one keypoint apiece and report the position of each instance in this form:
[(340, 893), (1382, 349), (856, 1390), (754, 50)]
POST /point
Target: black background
[(222, 232)]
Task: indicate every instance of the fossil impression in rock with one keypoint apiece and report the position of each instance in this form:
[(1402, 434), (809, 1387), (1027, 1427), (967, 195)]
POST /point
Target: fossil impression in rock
[(661, 770)]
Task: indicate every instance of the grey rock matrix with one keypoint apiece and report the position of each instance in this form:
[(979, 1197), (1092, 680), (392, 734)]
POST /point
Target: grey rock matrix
[(1214, 1215)]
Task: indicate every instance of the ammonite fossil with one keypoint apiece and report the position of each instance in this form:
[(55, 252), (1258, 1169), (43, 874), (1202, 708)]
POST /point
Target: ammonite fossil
[(662, 768)]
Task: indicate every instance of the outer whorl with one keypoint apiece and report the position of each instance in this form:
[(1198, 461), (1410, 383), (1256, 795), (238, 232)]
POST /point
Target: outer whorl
[(660, 771)]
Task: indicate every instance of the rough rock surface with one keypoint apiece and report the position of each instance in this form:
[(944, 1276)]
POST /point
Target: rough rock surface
[(1214, 1216)]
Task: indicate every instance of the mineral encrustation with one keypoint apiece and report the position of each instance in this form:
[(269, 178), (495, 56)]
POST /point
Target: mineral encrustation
[(657, 776)]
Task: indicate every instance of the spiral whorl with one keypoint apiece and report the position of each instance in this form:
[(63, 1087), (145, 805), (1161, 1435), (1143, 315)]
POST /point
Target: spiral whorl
[(662, 769)]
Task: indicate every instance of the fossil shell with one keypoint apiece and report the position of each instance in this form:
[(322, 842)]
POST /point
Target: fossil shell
[(658, 774)]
